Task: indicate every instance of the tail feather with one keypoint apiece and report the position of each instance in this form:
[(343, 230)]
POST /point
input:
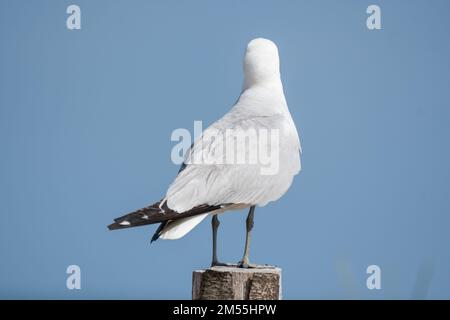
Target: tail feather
[(154, 214), (179, 228)]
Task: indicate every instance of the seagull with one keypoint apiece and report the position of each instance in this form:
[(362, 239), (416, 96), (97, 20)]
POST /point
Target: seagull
[(207, 184)]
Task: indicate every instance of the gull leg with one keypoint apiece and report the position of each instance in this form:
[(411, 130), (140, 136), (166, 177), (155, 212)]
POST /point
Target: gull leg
[(244, 263), (215, 225)]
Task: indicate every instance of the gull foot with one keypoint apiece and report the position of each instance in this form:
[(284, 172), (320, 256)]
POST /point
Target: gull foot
[(246, 265), (219, 264)]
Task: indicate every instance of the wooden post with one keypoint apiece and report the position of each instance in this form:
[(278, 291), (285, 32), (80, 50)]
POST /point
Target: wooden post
[(232, 283)]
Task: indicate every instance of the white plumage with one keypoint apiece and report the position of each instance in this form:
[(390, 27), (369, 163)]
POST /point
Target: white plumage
[(261, 105)]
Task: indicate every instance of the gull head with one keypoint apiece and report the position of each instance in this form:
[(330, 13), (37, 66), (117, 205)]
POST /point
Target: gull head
[(261, 62)]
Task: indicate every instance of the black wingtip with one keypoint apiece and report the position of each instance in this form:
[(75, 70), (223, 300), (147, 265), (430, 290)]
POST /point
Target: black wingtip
[(112, 227), (157, 233), (154, 238), (117, 226)]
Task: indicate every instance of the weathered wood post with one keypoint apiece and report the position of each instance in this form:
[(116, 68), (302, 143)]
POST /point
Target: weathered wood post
[(232, 283)]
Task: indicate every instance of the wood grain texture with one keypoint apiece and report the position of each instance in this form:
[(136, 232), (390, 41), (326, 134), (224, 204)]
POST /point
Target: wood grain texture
[(232, 283)]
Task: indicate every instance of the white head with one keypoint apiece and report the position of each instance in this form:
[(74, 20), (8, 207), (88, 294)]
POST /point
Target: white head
[(261, 62)]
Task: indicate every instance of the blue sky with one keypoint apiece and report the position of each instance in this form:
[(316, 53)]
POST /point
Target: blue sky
[(86, 118)]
